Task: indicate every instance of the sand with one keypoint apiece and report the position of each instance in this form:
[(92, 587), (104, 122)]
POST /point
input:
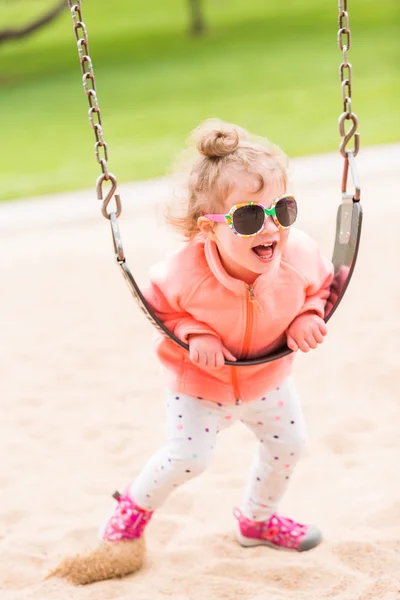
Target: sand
[(81, 406)]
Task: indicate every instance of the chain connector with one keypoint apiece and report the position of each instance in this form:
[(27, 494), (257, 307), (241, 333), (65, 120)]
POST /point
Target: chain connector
[(348, 199), (117, 241), (350, 161), (346, 116), (99, 190)]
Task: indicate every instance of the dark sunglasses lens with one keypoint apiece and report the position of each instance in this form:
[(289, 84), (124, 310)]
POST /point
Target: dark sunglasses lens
[(248, 220), (286, 211)]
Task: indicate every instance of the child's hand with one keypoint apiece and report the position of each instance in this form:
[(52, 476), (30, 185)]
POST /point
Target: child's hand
[(207, 351), (306, 332)]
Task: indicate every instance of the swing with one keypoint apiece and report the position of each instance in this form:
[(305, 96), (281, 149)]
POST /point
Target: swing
[(349, 214)]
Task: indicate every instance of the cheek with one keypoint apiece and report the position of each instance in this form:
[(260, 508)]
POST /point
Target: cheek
[(238, 248), (283, 237), (230, 243)]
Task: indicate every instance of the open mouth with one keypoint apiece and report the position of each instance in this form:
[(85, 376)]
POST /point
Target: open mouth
[(265, 252)]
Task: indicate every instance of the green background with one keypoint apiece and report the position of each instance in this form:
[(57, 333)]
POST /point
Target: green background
[(269, 66)]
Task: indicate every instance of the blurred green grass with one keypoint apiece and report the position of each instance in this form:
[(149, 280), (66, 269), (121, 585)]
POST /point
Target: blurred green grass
[(271, 67)]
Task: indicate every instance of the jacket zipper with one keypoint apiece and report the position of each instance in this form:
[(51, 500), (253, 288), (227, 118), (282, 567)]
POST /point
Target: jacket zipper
[(251, 301)]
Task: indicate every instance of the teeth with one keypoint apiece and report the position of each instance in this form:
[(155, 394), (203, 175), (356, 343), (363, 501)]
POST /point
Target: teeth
[(267, 245)]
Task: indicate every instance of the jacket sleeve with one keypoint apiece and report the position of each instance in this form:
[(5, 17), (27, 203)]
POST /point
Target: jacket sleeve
[(164, 296), (318, 286)]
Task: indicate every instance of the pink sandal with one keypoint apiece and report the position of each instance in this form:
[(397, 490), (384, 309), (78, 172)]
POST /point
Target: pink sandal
[(276, 532), (128, 520)]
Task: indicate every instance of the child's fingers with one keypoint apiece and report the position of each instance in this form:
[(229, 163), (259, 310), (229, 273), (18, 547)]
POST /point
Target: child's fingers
[(200, 358), (228, 355), (211, 360), (219, 360), (323, 327), (206, 360), (318, 335), (292, 345), (312, 342), (194, 355), (310, 339), (304, 346)]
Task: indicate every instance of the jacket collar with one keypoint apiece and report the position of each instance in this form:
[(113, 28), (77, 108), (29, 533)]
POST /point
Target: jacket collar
[(216, 267)]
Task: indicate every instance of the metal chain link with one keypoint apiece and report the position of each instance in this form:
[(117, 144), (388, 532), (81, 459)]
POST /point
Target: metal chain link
[(345, 73), (89, 86)]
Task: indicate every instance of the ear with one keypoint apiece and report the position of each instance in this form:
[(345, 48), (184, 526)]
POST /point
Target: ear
[(206, 226)]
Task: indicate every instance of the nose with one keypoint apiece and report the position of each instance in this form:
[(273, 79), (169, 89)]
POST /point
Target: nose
[(269, 225)]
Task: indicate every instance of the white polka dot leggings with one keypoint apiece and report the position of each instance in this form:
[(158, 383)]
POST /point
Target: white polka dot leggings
[(192, 425)]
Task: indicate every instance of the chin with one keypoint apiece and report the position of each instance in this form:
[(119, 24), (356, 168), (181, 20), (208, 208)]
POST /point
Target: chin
[(259, 265)]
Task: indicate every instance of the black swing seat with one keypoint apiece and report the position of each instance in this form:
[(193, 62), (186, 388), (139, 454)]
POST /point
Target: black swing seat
[(347, 240)]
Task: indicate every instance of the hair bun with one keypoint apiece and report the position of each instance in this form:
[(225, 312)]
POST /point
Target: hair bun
[(218, 142)]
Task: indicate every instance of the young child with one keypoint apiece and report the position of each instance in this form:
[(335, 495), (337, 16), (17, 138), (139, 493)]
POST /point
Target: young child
[(244, 284)]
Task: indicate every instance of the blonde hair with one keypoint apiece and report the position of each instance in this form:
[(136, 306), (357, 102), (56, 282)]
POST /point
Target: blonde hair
[(221, 150)]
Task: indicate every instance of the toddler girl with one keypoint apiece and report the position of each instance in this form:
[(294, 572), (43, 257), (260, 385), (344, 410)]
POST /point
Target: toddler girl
[(244, 284)]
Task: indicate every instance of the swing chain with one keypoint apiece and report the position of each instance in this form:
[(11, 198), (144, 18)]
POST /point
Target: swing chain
[(345, 73), (89, 86)]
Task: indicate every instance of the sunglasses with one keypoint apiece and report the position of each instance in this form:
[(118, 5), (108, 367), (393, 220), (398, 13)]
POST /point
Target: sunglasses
[(248, 218)]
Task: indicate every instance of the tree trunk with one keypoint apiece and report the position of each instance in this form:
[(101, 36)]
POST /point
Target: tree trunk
[(15, 34), (198, 25)]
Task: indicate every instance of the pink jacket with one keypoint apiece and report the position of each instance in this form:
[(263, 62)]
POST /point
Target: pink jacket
[(191, 292)]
